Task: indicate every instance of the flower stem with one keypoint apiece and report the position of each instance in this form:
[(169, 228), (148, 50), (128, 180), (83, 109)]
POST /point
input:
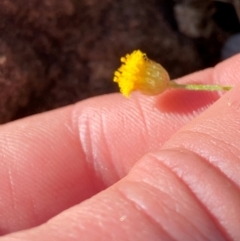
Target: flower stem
[(174, 85)]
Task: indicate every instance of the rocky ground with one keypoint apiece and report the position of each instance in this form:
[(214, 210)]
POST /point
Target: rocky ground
[(56, 52)]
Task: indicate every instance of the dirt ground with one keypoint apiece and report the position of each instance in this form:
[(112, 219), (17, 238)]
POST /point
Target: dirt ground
[(57, 52)]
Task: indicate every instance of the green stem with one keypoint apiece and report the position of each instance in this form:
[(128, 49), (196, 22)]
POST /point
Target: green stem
[(174, 85)]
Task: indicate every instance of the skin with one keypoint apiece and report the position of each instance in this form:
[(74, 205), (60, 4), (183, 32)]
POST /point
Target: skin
[(111, 168)]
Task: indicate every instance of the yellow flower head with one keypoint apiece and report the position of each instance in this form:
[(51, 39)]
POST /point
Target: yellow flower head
[(140, 73)]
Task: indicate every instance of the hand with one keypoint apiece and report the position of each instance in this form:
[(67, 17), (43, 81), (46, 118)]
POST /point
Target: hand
[(110, 168)]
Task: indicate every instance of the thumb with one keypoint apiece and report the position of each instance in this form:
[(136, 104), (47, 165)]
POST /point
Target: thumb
[(189, 190)]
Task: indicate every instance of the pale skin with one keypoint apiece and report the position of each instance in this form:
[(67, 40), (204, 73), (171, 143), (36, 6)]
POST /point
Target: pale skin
[(167, 167)]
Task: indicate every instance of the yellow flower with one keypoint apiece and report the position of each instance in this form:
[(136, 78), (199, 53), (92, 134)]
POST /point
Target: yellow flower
[(137, 72), (140, 73)]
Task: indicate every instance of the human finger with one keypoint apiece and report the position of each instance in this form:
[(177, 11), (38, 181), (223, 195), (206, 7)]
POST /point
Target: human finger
[(57, 159), (187, 190)]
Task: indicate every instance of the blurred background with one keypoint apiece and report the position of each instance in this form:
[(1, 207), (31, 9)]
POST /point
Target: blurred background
[(57, 52)]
